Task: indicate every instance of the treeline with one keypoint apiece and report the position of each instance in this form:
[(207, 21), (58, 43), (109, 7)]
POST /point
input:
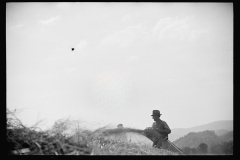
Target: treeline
[(194, 139), (222, 148), (206, 142)]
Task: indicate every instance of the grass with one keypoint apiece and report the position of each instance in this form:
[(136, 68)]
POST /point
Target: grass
[(126, 148), (93, 142)]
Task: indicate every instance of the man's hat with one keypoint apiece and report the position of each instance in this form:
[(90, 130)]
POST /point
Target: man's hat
[(156, 113)]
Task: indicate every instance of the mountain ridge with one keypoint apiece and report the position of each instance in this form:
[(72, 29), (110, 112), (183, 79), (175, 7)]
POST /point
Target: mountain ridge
[(193, 139), (227, 136), (223, 125)]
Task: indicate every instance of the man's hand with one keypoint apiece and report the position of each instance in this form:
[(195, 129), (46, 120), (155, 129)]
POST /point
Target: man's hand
[(164, 132)]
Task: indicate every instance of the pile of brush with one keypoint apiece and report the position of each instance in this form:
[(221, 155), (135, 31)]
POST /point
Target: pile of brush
[(22, 140)]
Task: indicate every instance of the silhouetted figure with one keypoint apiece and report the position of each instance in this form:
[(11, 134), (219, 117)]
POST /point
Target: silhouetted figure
[(72, 49), (159, 130)]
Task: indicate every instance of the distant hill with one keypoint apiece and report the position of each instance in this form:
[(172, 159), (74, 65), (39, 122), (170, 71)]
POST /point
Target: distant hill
[(193, 139), (221, 132), (226, 137), (218, 126)]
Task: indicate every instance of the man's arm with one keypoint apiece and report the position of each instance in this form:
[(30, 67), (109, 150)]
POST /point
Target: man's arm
[(166, 131)]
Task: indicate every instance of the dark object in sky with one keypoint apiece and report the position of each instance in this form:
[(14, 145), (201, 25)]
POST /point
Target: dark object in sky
[(72, 49)]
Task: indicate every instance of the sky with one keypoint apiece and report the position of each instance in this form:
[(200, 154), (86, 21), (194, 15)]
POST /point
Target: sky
[(128, 59)]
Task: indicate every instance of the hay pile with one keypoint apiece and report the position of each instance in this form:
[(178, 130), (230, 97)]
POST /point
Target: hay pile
[(23, 140)]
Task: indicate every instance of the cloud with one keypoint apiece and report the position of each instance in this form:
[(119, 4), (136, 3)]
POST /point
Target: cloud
[(161, 25), (50, 21), (16, 26), (178, 29), (124, 37), (195, 35), (81, 45)]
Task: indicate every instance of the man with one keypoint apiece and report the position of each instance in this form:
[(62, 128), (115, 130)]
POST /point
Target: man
[(159, 130)]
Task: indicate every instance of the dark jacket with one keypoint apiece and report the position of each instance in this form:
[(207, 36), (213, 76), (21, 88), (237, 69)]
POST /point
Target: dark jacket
[(162, 127)]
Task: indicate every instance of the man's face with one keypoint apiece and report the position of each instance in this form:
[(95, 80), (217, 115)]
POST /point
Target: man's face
[(155, 117)]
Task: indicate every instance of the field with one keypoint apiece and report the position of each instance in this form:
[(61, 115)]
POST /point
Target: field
[(23, 140)]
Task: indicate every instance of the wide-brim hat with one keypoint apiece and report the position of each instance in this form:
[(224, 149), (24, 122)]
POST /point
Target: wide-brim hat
[(156, 113)]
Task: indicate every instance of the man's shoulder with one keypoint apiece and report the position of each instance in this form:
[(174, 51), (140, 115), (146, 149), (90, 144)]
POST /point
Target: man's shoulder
[(165, 124), (162, 121)]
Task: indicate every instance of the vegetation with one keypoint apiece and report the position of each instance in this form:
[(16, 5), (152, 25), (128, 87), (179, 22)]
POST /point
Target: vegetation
[(226, 137), (23, 140), (218, 149), (206, 142), (193, 139), (222, 148), (203, 148)]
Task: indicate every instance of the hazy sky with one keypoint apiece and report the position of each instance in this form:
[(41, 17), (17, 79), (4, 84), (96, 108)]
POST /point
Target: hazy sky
[(129, 59)]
